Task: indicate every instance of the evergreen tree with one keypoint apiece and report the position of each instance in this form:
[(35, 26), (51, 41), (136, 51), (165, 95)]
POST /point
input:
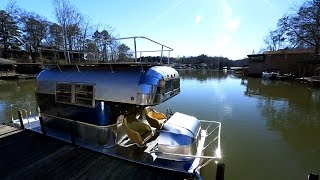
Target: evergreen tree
[(9, 32)]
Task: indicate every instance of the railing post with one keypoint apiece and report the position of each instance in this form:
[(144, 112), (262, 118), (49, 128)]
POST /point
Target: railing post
[(135, 49), (72, 132), (21, 120), (313, 176), (40, 54), (161, 54), (43, 128), (169, 58), (220, 171)]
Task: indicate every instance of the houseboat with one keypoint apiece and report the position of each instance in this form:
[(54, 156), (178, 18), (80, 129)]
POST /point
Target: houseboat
[(109, 107)]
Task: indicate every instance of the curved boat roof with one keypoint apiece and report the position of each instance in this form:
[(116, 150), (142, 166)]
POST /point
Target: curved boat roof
[(131, 83)]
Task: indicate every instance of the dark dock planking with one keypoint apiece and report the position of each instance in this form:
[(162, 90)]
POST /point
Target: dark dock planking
[(29, 155)]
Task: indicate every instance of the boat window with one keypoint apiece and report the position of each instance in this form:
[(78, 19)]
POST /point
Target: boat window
[(84, 95), (64, 93), (78, 94), (176, 83), (160, 90), (168, 86)]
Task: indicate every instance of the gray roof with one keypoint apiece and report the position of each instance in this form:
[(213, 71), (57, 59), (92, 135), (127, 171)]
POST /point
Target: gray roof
[(6, 61)]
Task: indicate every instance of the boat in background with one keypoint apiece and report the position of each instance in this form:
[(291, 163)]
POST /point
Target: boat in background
[(287, 76), (240, 71), (314, 80), (108, 107), (270, 75)]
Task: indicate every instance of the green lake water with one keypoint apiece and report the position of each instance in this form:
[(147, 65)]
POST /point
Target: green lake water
[(270, 129)]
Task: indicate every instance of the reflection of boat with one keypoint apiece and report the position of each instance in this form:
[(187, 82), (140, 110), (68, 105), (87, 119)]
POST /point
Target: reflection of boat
[(240, 71), (237, 72), (287, 76), (102, 107), (270, 75), (315, 80)]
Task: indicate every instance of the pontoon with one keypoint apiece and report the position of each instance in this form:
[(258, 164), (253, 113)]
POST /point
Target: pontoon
[(109, 107)]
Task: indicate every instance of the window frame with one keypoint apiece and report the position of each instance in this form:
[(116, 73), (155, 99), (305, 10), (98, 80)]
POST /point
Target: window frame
[(74, 92)]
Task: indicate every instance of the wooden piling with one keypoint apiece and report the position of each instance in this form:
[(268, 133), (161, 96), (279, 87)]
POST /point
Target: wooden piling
[(21, 120), (72, 133), (220, 171), (43, 128), (313, 176)]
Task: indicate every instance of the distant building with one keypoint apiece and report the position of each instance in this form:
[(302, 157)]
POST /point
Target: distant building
[(299, 61), (6, 64)]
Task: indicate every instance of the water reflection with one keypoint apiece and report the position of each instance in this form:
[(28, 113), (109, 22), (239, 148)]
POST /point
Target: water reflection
[(267, 126), (293, 110), (202, 75), (14, 92)]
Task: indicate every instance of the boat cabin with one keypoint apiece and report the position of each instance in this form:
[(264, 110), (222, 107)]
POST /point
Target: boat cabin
[(98, 94)]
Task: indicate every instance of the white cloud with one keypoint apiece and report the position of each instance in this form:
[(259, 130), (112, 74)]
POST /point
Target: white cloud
[(198, 19), (232, 22), (223, 41), (168, 10), (268, 2)]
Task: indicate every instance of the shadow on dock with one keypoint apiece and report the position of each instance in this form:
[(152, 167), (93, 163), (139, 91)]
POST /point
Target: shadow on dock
[(28, 154)]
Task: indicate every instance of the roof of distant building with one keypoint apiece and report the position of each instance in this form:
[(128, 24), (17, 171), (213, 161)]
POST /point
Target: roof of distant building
[(290, 51), (6, 61), (284, 51)]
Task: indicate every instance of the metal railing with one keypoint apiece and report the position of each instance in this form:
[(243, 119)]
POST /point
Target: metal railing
[(211, 131), (86, 57), (76, 128), (27, 112)]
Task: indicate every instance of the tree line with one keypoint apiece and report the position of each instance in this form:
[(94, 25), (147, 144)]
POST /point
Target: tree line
[(215, 62), (21, 30), (300, 29)]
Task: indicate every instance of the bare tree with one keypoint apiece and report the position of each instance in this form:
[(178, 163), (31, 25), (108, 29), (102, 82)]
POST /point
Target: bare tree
[(302, 28), (84, 34), (69, 19), (275, 40), (13, 9)]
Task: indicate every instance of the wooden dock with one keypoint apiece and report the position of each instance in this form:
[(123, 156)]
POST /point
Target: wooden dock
[(8, 75), (26, 154)]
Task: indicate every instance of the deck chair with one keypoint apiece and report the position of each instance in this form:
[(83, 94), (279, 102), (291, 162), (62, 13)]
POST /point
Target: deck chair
[(139, 133), (154, 118)]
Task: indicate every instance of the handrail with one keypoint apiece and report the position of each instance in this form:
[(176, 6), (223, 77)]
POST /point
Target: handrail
[(18, 108), (79, 122), (96, 55), (24, 110), (218, 135), (185, 155), (135, 37)]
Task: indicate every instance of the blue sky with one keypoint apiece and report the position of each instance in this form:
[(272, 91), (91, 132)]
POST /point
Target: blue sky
[(230, 28)]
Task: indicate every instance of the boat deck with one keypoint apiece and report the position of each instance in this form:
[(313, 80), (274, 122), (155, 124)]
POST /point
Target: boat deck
[(32, 155)]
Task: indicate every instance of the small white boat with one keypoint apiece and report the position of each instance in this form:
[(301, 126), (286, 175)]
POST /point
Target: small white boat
[(270, 75)]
